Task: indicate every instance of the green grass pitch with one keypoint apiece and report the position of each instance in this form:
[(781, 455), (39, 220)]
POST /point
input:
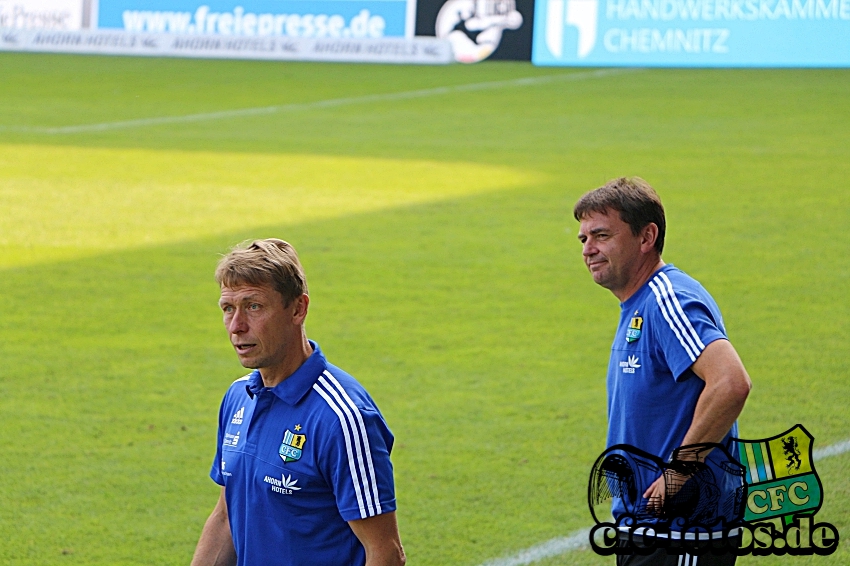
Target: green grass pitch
[(444, 273)]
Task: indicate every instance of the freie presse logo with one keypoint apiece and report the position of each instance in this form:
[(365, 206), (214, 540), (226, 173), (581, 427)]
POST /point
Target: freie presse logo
[(770, 510)]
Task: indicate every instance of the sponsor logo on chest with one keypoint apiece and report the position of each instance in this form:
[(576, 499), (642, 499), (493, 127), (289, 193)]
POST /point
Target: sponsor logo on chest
[(284, 486), (630, 365)]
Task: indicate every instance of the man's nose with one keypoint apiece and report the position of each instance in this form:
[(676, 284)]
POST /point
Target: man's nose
[(237, 323), (588, 248)]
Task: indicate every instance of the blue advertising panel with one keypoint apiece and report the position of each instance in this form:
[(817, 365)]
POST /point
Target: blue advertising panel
[(692, 33), (262, 18)]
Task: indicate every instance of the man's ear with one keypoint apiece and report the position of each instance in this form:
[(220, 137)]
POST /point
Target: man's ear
[(300, 307), (648, 236)]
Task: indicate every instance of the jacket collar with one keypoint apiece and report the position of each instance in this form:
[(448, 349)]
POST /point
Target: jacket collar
[(292, 389)]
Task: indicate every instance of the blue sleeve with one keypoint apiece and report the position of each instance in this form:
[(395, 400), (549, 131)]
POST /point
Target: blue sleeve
[(215, 470), (683, 325), (357, 463)]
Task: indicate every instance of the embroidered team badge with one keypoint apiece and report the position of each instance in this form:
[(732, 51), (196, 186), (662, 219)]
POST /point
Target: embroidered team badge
[(781, 477), (291, 447), (634, 330)]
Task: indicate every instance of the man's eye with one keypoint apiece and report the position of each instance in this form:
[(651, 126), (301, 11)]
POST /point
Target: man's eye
[(253, 307), (227, 309)]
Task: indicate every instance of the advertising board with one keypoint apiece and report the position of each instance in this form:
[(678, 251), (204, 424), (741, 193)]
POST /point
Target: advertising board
[(47, 14), (479, 29), (418, 50), (692, 33), (262, 18), (377, 31)]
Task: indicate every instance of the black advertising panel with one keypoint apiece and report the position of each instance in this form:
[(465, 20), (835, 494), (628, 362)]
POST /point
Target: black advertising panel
[(479, 29)]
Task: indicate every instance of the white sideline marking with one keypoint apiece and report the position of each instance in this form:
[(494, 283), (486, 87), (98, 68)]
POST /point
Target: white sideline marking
[(548, 549), (832, 450), (318, 104), (579, 539)]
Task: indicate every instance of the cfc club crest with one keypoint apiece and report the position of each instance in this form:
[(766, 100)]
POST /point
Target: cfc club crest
[(760, 497), (780, 475), (635, 327), (292, 445)]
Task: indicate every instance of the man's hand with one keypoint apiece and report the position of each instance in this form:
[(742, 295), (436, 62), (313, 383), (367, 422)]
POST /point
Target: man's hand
[(215, 548), (655, 494), (668, 483), (379, 536)]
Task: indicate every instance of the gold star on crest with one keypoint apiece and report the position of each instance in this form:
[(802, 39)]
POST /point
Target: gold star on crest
[(297, 427)]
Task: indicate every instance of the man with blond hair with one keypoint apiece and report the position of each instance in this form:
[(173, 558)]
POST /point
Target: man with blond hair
[(674, 378), (303, 453)]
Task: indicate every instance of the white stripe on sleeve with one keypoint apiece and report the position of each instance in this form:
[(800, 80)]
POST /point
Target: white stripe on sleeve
[(355, 434), (682, 312), (674, 314), (332, 404), (662, 306), (371, 478)]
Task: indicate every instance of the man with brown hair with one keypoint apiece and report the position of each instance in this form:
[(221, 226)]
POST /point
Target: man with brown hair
[(674, 378), (303, 454)]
